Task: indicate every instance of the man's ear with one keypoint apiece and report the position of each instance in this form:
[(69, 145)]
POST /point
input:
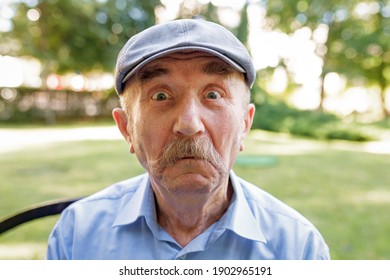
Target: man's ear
[(248, 121), (121, 121)]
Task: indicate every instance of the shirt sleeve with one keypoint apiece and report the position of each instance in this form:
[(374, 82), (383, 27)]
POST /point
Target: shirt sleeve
[(316, 247), (60, 241)]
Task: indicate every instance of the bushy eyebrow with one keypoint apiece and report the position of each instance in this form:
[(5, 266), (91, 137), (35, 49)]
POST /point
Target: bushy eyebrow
[(217, 68), (150, 73)]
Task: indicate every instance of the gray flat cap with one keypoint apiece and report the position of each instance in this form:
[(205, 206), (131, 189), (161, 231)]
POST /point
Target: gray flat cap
[(182, 35)]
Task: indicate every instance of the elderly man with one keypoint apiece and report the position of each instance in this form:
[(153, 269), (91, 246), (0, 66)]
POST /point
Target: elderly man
[(184, 90)]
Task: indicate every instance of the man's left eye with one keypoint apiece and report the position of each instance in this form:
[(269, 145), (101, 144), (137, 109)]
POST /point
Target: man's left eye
[(213, 95)]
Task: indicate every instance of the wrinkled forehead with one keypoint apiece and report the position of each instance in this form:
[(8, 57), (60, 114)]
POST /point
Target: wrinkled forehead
[(197, 61)]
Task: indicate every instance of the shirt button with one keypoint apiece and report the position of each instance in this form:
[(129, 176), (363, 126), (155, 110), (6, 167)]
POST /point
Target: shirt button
[(183, 257)]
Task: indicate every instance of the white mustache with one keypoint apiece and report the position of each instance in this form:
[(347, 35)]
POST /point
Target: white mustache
[(198, 148)]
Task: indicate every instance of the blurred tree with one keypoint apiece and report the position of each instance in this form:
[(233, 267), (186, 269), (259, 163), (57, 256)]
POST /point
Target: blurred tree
[(210, 11), (76, 35), (357, 36)]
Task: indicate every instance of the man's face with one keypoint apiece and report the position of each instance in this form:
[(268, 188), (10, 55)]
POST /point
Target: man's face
[(187, 119)]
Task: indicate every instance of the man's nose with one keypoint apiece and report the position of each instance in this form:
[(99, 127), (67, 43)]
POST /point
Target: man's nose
[(188, 119)]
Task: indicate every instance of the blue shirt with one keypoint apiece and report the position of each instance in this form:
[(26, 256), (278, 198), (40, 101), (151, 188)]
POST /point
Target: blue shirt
[(120, 222)]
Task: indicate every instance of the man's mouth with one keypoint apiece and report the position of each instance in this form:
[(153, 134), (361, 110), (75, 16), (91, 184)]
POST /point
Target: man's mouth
[(189, 158)]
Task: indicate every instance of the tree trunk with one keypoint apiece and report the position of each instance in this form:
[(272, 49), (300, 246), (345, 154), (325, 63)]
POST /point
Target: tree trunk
[(385, 111), (322, 91)]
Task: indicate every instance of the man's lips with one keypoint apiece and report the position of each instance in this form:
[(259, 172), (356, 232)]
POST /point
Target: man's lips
[(189, 158)]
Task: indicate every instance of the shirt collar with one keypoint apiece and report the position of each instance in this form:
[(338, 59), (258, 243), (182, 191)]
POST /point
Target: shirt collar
[(238, 218), (141, 204)]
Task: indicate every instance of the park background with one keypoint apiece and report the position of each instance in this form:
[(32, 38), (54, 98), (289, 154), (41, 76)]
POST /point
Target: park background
[(320, 140)]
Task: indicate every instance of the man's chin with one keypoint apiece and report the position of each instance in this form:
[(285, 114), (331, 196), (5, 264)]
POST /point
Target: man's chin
[(189, 183), (191, 175)]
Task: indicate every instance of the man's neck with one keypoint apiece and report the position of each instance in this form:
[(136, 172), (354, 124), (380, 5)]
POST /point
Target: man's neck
[(184, 218)]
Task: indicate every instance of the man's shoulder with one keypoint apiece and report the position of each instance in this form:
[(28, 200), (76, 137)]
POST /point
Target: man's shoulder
[(281, 224)]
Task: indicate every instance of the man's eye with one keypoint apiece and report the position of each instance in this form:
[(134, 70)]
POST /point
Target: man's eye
[(160, 96), (213, 95)]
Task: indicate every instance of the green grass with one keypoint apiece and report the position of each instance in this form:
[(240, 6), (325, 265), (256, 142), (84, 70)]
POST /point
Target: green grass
[(345, 193)]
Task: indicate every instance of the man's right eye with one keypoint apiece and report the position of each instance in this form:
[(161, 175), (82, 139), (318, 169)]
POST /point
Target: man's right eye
[(160, 96)]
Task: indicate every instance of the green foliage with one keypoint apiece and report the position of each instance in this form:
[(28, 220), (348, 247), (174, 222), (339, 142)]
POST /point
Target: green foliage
[(356, 43), (28, 105), (278, 116), (78, 35), (384, 123)]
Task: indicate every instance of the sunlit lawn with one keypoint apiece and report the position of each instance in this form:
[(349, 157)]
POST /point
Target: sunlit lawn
[(345, 193)]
